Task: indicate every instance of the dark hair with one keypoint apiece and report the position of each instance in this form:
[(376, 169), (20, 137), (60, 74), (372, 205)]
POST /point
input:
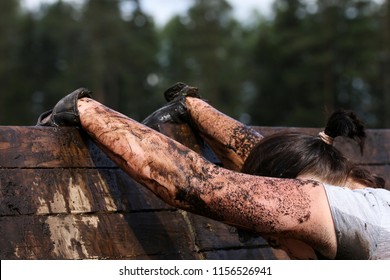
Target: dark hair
[(288, 154)]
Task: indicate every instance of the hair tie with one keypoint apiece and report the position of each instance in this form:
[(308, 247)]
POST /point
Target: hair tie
[(326, 138)]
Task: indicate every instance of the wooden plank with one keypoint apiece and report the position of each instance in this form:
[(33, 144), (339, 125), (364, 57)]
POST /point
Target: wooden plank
[(61, 197), (268, 130), (46, 147), (158, 235), (211, 235), (56, 191)]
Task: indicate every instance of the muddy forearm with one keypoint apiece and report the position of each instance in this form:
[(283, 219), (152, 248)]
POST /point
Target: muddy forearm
[(186, 180), (230, 139), (140, 151)]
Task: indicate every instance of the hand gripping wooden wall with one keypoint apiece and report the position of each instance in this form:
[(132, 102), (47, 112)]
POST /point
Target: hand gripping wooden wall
[(61, 197)]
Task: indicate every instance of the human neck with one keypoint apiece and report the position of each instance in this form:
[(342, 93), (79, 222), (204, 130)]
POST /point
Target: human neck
[(354, 185)]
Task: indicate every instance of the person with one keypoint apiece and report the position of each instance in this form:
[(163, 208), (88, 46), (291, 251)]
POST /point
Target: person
[(301, 210), (288, 155)]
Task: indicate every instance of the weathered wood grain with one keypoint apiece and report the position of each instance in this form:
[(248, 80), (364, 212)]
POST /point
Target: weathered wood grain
[(211, 235), (43, 147), (72, 190), (157, 235), (61, 197), (220, 241), (46, 147)]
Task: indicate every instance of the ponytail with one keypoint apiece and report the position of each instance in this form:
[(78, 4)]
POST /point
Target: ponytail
[(346, 123), (289, 155)]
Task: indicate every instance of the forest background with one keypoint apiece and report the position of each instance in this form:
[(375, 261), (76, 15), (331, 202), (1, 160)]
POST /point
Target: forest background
[(292, 69)]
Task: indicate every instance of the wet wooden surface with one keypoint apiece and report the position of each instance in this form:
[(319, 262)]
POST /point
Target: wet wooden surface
[(61, 197)]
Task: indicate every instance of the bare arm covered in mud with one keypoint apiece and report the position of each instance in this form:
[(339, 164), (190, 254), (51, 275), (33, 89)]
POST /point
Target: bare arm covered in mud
[(270, 206), (230, 139)]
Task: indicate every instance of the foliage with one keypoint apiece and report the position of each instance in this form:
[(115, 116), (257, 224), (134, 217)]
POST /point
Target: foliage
[(324, 57), (290, 69)]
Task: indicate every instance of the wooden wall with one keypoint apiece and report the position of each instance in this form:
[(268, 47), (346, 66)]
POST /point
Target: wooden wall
[(62, 198)]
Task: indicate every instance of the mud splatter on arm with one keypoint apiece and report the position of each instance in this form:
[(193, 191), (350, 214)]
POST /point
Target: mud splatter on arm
[(231, 140), (184, 179)]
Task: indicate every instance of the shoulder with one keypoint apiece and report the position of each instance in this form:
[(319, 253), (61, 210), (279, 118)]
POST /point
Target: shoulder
[(366, 203), (360, 219), (338, 196)]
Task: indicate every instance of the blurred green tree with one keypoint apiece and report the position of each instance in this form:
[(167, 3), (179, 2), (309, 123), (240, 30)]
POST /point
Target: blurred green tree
[(290, 69), (10, 18), (121, 55), (142, 69), (383, 110), (204, 48), (315, 57), (49, 55)]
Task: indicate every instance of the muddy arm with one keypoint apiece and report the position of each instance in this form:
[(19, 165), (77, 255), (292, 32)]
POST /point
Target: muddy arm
[(186, 180), (230, 139)]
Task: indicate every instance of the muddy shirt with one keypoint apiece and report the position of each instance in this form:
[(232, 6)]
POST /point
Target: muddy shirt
[(362, 222)]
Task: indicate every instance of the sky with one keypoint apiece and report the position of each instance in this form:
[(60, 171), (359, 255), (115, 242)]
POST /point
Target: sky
[(163, 10)]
